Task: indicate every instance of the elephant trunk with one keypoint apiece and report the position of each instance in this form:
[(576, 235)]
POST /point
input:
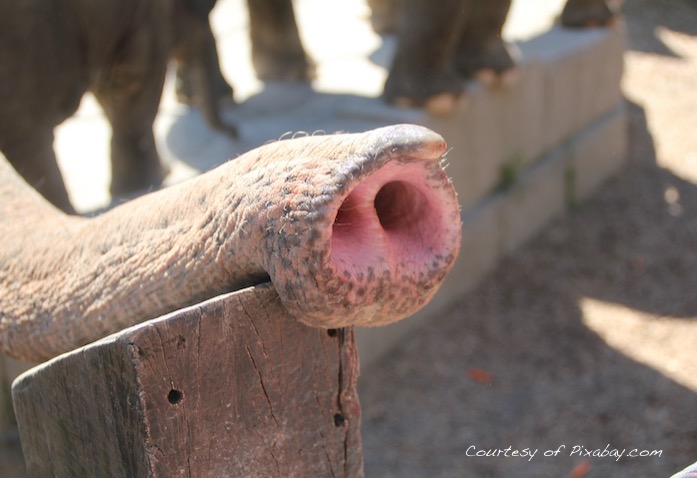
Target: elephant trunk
[(353, 229)]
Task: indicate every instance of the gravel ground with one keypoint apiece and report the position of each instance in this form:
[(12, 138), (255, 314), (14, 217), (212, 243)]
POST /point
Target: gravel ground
[(585, 337)]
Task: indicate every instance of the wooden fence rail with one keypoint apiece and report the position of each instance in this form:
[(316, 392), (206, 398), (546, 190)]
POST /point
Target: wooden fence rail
[(231, 387)]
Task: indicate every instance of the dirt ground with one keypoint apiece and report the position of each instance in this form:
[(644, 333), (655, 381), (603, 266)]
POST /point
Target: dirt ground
[(586, 336)]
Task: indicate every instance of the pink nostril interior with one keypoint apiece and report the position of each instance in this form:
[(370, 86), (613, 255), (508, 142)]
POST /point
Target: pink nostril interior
[(393, 220), (399, 207)]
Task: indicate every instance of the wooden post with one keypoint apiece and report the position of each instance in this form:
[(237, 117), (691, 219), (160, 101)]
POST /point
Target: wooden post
[(231, 387)]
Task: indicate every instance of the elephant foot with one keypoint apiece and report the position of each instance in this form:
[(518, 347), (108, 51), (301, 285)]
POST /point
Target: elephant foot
[(494, 80), (211, 113), (496, 58), (440, 95), (212, 94), (440, 105), (51, 187), (588, 14), (186, 97), (184, 91), (229, 129), (283, 65)]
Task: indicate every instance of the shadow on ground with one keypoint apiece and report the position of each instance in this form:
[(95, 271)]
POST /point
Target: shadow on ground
[(647, 20), (515, 364)]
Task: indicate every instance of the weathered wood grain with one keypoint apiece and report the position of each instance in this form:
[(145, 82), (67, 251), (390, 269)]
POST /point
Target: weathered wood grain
[(231, 387)]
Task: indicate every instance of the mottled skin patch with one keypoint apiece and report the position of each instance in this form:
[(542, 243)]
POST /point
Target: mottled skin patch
[(66, 281)]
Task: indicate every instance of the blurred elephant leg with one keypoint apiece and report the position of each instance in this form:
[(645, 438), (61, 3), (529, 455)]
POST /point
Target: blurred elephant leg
[(277, 51), (196, 53), (212, 87), (195, 47), (130, 94), (422, 73), (221, 90), (481, 51), (33, 158), (588, 13), (135, 164)]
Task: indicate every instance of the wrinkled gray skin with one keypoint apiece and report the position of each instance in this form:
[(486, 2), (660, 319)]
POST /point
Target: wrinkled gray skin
[(53, 51), (353, 229)]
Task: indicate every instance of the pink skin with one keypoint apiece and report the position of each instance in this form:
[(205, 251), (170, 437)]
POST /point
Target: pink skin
[(393, 220), (353, 229)]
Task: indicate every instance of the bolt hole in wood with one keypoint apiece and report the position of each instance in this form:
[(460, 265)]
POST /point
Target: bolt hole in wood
[(332, 332), (174, 396), (339, 420), (181, 342)]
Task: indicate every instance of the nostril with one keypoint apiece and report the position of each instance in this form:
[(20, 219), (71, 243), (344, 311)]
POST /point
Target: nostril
[(399, 206), (394, 218)]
